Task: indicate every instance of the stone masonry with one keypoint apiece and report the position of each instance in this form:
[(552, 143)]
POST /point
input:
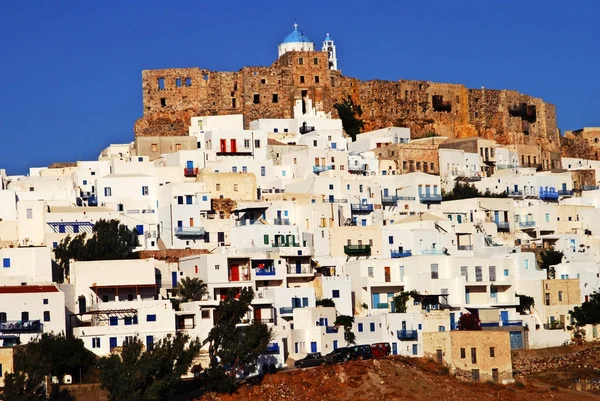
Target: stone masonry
[(172, 96)]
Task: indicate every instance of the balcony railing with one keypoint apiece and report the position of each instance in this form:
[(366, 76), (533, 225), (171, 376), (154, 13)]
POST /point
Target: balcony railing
[(554, 326), (527, 224), (503, 225), (430, 197), (189, 231), (382, 305), (190, 172), (565, 192), (301, 270), (389, 200), (265, 272), (432, 252), (512, 323), (246, 222), (331, 329), (320, 169), (549, 195), (590, 187), (357, 250), (400, 254), (407, 335), (335, 200), (515, 193), (465, 247), (272, 348), (269, 320), (286, 310), (406, 198), (361, 207), (278, 221), (20, 326)]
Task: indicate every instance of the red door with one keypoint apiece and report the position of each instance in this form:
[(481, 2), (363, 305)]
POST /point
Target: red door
[(233, 145), (387, 274), (223, 145), (223, 293), (234, 273), (257, 315)]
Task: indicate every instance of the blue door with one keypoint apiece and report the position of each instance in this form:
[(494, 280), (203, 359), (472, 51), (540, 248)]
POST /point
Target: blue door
[(564, 187), (394, 349), (279, 214), (113, 342), (331, 198), (298, 267), (313, 346), (459, 218), (516, 188), (427, 190), (335, 344), (496, 216), (364, 222), (504, 316), (149, 342), (174, 279), (516, 340), (385, 192), (296, 348), (452, 321), (415, 349), (376, 301), (190, 164)]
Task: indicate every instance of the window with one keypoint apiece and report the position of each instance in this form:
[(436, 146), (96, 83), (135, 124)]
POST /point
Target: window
[(463, 353), (464, 271), (139, 228), (95, 342), (45, 301), (360, 188), (547, 217), (301, 79), (29, 213), (235, 187), (316, 79), (492, 352), (434, 271), (263, 171), (188, 82), (266, 239), (301, 61), (478, 273), (331, 186), (315, 143), (475, 375), (370, 271), (107, 191), (257, 143), (372, 326), (218, 187), (492, 271), (6, 262), (161, 83), (473, 355), (316, 62), (275, 99), (46, 316), (151, 318), (256, 98), (391, 239), (204, 198), (244, 169), (144, 190), (560, 295), (163, 101), (335, 293), (205, 314), (2, 317), (113, 321), (246, 143), (360, 327), (234, 169)]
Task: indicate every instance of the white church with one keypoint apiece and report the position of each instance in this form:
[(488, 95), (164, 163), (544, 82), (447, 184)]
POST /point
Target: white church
[(298, 41)]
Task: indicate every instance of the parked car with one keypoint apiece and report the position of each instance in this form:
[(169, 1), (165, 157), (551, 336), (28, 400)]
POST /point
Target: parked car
[(361, 352), (338, 355), (313, 359), (380, 350)]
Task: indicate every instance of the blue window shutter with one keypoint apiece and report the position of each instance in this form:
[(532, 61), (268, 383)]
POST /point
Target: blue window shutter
[(151, 318), (149, 342), (114, 321), (204, 198), (304, 301), (6, 262), (372, 327), (188, 199), (140, 229), (360, 327), (113, 342), (391, 239)]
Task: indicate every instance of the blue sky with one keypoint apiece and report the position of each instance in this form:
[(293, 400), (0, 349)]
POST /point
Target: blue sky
[(71, 69)]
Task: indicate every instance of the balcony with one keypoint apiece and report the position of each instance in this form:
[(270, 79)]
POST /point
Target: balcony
[(381, 306), (190, 172), (512, 323), (407, 335), (400, 254), (21, 326), (503, 226), (265, 272), (565, 192), (432, 252), (555, 325), (548, 195), (357, 250), (590, 187), (527, 224), (320, 169), (331, 329), (407, 198), (286, 310), (465, 247), (278, 221), (335, 200), (361, 207), (299, 270), (427, 198), (189, 231), (389, 200), (515, 193), (247, 222)]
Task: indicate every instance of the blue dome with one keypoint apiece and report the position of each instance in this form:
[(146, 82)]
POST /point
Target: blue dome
[(328, 38), (296, 36)]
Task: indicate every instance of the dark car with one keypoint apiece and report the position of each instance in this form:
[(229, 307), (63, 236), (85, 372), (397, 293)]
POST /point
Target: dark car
[(361, 352), (313, 359), (380, 350), (338, 355)]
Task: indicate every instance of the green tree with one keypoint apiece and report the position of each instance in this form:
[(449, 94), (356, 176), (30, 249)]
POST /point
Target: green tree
[(191, 289), (110, 240), (233, 348), (326, 302), (548, 258), (588, 312), (401, 299), (140, 374), (46, 355), (350, 115), (469, 322), (468, 191), (346, 322), (525, 303)]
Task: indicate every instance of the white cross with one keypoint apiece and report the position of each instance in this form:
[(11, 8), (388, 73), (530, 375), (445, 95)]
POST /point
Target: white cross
[(327, 33), (295, 26)]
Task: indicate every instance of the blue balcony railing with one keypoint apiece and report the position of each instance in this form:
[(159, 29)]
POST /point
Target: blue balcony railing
[(358, 207), (21, 326), (389, 200), (265, 272), (565, 192), (400, 254), (407, 335), (503, 225), (189, 231), (512, 323), (515, 193), (286, 310), (382, 305), (430, 197), (527, 224), (272, 348), (406, 198), (320, 169), (490, 324), (331, 329), (432, 252), (590, 187), (548, 195)]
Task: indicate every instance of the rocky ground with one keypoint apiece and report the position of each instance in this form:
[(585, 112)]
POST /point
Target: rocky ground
[(402, 379)]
